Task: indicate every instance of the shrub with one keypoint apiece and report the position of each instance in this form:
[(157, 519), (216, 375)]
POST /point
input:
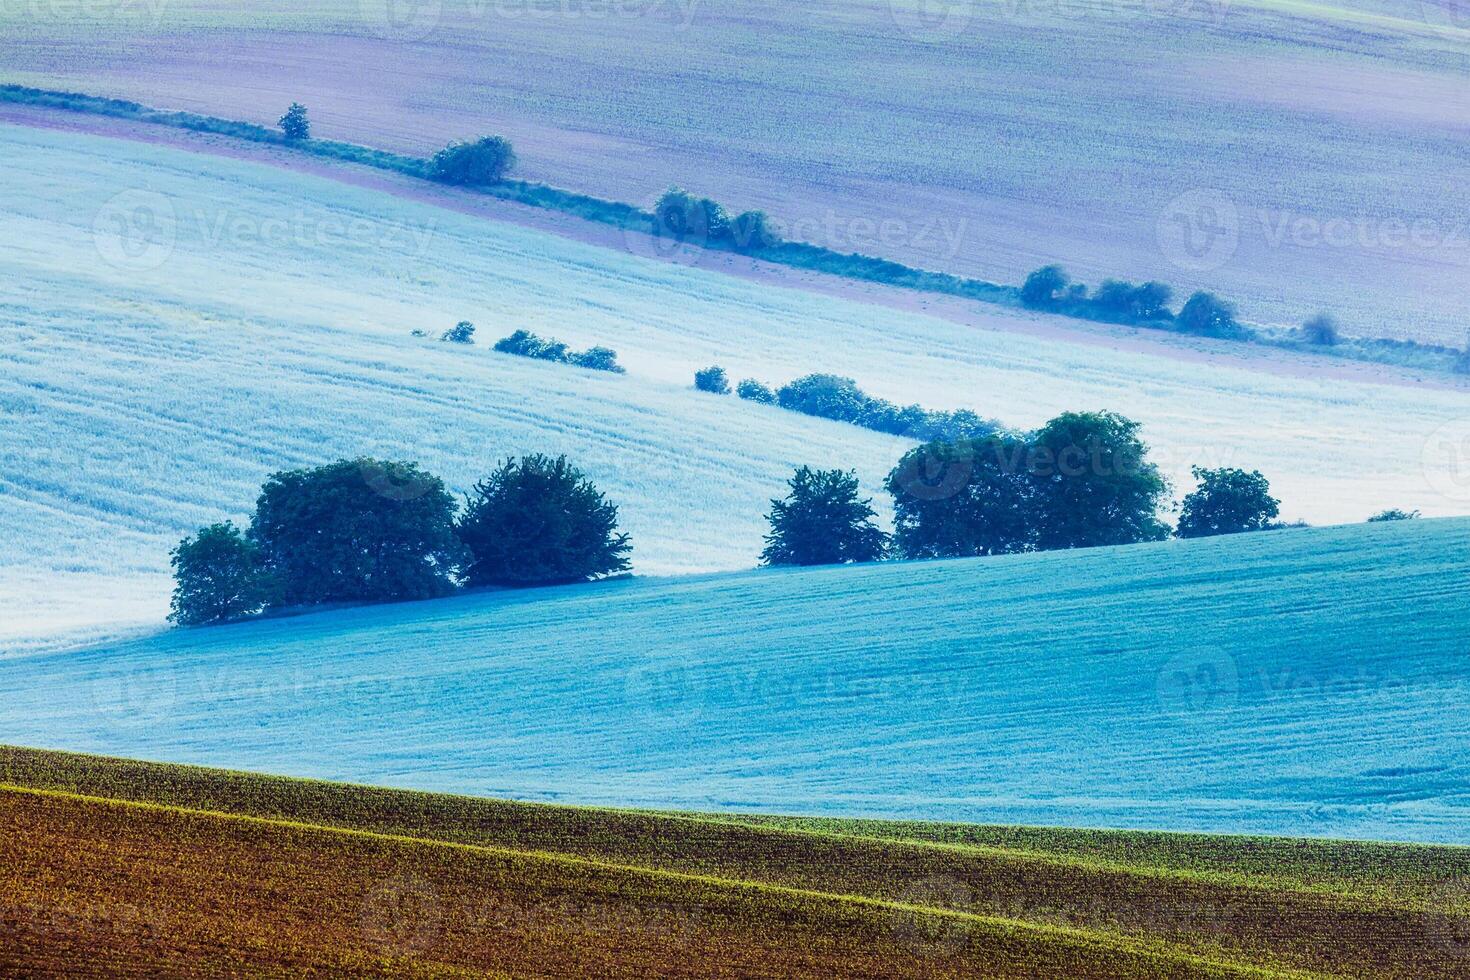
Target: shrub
[(1227, 501), (361, 530), (1393, 514), (485, 161), (754, 391), (713, 380), (462, 332), (953, 426), (1206, 315), (598, 359), (1093, 483), (1126, 303), (217, 577), (1041, 288), (697, 220), (540, 521), (822, 522), (963, 498), (824, 395), (1321, 330), (294, 124), (751, 231), (524, 343)]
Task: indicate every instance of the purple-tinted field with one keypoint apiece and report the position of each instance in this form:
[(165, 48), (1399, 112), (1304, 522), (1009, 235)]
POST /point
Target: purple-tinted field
[(1325, 147)]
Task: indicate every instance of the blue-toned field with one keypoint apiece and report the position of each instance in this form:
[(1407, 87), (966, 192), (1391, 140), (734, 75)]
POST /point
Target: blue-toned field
[(1303, 682)]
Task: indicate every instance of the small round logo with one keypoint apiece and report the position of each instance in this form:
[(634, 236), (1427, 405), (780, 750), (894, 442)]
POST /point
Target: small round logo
[(927, 474), (1198, 684), (932, 20), (1199, 231), (401, 20), (402, 916), (393, 481), (1446, 460), (1445, 13), (934, 934), (125, 696), (136, 231), (670, 236), (669, 693)]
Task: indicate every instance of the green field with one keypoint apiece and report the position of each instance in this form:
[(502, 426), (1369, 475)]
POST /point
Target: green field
[(142, 867)]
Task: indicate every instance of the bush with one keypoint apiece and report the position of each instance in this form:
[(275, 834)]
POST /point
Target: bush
[(1321, 330), (1124, 302), (1227, 501), (294, 124), (540, 521), (822, 522), (713, 380), (1206, 315), (462, 332), (754, 391), (361, 530), (483, 162), (963, 498), (685, 218), (1393, 514), (751, 231), (1042, 288), (598, 359), (824, 395), (217, 577)]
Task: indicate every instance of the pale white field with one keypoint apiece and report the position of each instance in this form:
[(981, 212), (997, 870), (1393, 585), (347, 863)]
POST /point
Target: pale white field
[(1292, 155), (173, 327)]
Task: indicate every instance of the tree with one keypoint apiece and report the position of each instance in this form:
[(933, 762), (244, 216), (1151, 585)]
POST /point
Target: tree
[(1093, 484), (752, 390), (1125, 302), (1041, 288), (217, 577), (462, 332), (822, 522), (359, 530), (826, 395), (1206, 315), (524, 343), (963, 498), (751, 231), (483, 162), (685, 218), (713, 380), (1393, 514), (294, 124), (1321, 330), (1227, 501), (540, 521), (598, 359)]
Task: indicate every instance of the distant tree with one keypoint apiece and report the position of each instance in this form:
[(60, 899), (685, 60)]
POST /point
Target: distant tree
[(1093, 483), (754, 391), (964, 498), (598, 359), (751, 231), (822, 522), (358, 530), (217, 577), (540, 521), (961, 424), (1151, 302), (1321, 330), (1042, 288), (881, 415), (483, 162), (294, 124), (1227, 501), (826, 395), (685, 218), (524, 343), (1127, 303), (462, 332), (1206, 315), (1393, 514), (713, 380)]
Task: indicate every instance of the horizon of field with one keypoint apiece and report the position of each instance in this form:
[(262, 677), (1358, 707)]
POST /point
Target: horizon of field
[(1298, 682), (264, 322), (1282, 201)]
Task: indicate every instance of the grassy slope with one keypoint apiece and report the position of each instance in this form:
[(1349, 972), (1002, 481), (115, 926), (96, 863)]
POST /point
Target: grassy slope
[(1300, 682), (134, 864), (269, 327), (834, 109)]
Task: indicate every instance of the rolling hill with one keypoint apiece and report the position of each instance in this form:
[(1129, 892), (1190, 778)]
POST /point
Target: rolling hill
[(1303, 682), (175, 326), (1319, 143)]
